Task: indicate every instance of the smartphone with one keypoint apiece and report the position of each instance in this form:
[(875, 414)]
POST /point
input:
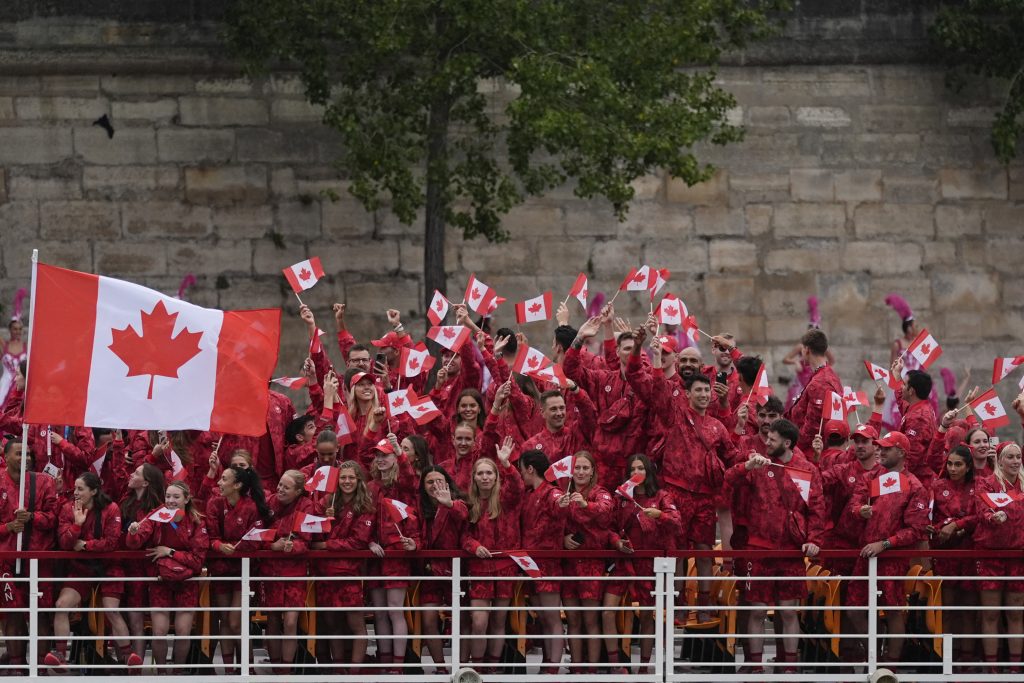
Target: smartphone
[(722, 377), (380, 360), (993, 441), (578, 537)]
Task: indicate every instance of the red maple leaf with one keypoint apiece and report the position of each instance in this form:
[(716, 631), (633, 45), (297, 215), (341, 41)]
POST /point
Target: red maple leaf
[(413, 363), (318, 477), (583, 292), (880, 372), (639, 277), (1001, 500), (305, 274), (990, 409), (889, 482), (448, 333), (397, 403), (561, 467), (166, 515), (835, 406), (671, 311), (440, 305), (534, 308), (155, 351), (475, 294), (926, 349), (422, 409), (532, 362)]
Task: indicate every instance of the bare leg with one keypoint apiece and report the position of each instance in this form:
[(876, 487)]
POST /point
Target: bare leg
[(552, 627), (161, 622)]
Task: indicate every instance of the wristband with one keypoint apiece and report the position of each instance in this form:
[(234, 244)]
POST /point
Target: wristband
[(886, 544)]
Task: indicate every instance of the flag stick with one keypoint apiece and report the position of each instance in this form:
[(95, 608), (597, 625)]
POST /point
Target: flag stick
[(24, 426), (298, 297), (400, 534), (857, 413), (566, 299), (704, 333), (821, 424), (613, 297)]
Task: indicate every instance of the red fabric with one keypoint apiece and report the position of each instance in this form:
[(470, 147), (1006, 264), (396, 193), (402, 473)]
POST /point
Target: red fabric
[(268, 458), (349, 531), (919, 426), (235, 521), (991, 535), (901, 517), (41, 529), (68, 533), (444, 532), (284, 523), (805, 413), (498, 534), (574, 436), (839, 484), (643, 533)]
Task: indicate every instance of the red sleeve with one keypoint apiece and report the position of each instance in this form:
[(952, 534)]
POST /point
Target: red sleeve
[(67, 531), (345, 343), (587, 422), (915, 520), (472, 375), (111, 539), (198, 543), (357, 537)]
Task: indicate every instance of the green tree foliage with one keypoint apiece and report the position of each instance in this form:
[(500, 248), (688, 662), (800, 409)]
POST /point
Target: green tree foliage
[(607, 91), (986, 38)]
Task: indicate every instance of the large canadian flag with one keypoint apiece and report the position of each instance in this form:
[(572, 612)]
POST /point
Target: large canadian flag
[(671, 311), (990, 410), (925, 349), (110, 353)]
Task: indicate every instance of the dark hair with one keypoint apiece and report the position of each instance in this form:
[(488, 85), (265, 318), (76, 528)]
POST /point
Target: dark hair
[(952, 402), (100, 499), (696, 378), (12, 441), (651, 483), (476, 396), (748, 367), (99, 432), (526, 385), (920, 382), (513, 343), (535, 459), (625, 336), (427, 505), (549, 394), (964, 452), (151, 499), (773, 405), (252, 486), (421, 451), (815, 341), (296, 427), (565, 335), (787, 430), (357, 347), (906, 324), (327, 436)]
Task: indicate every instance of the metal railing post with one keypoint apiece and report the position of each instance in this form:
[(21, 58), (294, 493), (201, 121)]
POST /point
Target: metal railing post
[(456, 612), (246, 619), (33, 617), (872, 614), (947, 654), (664, 588)]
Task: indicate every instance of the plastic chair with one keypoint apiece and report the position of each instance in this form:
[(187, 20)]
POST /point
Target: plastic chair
[(414, 618)]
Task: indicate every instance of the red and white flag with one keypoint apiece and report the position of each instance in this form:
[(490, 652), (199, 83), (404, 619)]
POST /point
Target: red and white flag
[(638, 280), (414, 360), (854, 398), (691, 330), (304, 274), (529, 359), (479, 296), (990, 410), (526, 563), (560, 471), (451, 337), (166, 515), (1004, 366), (495, 302), (397, 510), (888, 482), (802, 479), (998, 499), (761, 389), (659, 278), (671, 311), (97, 464), (258, 534), (311, 524), (626, 488), (291, 382), (323, 479), (836, 409), (424, 410), (925, 349), (552, 374), (143, 360), (398, 402), (438, 308), (533, 310), (579, 290), (345, 425), (879, 374), (178, 471)]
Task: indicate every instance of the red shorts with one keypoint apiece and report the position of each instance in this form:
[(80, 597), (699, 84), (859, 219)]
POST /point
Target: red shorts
[(697, 512), (955, 566), (339, 593), (167, 594), (638, 591), (583, 588), (224, 569), (774, 591), (108, 589), (543, 585), (1000, 566), (396, 568), (893, 592), (284, 593)]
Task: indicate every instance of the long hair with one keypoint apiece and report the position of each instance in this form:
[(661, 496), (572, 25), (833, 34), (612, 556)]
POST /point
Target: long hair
[(182, 441), (388, 477), (422, 457), (651, 484), (476, 396), (252, 486), (428, 507), (190, 506), (476, 502), (593, 470), (362, 501), (152, 496), (1003, 483), (100, 499), (964, 452), (353, 405)]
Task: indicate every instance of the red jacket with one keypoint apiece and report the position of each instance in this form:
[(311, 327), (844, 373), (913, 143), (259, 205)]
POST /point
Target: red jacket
[(40, 531), (470, 376), (919, 426), (592, 521), (630, 523), (541, 519), (405, 489), (268, 458), (805, 413), (226, 524), (901, 517), (498, 534), (349, 531), (187, 537), (573, 437), (284, 523), (839, 484), (990, 534), (955, 501), (107, 540)]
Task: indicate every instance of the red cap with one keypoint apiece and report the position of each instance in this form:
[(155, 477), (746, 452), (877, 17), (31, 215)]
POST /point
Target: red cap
[(897, 439), (393, 340), (839, 427), (866, 431), (384, 446), (670, 344), (356, 378)]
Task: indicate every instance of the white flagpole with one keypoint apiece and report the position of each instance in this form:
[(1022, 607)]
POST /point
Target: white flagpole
[(24, 424)]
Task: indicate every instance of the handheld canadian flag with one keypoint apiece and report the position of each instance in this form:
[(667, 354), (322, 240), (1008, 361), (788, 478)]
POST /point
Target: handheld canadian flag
[(638, 280), (397, 510), (659, 278), (414, 360), (888, 482), (761, 389), (144, 360), (324, 479), (398, 402), (853, 398), (998, 499), (346, 426), (626, 488), (925, 349), (560, 471), (836, 408), (166, 515), (424, 410), (691, 330), (452, 337), (579, 290), (306, 523), (438, 308), (1004, 366), (526, 563), (258, 534), (304, 274), (479, 296), (990, 410), (529, 359), (495, 302), (879, 374), (552, 374), (535, 309), (178, 471), (291, 382), (671, 311), (802, 479), (97, 464)]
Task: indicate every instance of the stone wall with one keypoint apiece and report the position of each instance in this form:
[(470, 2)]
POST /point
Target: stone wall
[(858, 176)]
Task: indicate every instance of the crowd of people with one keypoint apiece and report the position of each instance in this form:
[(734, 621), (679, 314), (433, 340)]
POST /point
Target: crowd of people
[(708, 458)]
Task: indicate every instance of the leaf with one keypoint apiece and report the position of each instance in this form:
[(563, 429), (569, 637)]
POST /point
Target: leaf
[(534, 308), (155, 351)]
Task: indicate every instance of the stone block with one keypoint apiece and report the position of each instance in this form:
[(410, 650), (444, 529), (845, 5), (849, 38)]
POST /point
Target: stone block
[(26, 145), (60, 108), (3, 186), (712, 192), (535, 219), (898, 118), (812, 185), (6, 108), (296, 110), (19, 85), (967, 291), (758, 218), (955, 221), (125, 182), (553, 256), (973, 184), (1016, 184), (858, 185), (73, 255), (220, 185), (285, 85), (177, 144), (768, 117), (971, 117), (299, 219), (883, 258), (612, 260), (19, 222), (822, 117), (1004, 254), (684, 257), (129, 146), (212, 257), (1013, 289), (719, 220), (294, 144), (939, 253), (401, 293), (747, 328), (785, 295), (227, 86), (812, 258), (131, 258), (784, 329), (902, 188), (730, 294), (345, 218), (269, 259), (242, 291), (64, 84), (758, 187), (917, 292), (590, 219), (166, 219), (154, 111), (51, 182), (647, 187), (905, 220), (373, 256), (222, 111), (151, 85), (76, 220), (658, 220), (809, 220), (1004, 219), (243, 222), (869, 149), (732, 256)]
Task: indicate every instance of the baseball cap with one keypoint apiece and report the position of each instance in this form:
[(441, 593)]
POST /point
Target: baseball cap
[(670, 344), (897, 439), (384, 446), (865, 431), (836, 427), (358, 377), (393, 340)]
